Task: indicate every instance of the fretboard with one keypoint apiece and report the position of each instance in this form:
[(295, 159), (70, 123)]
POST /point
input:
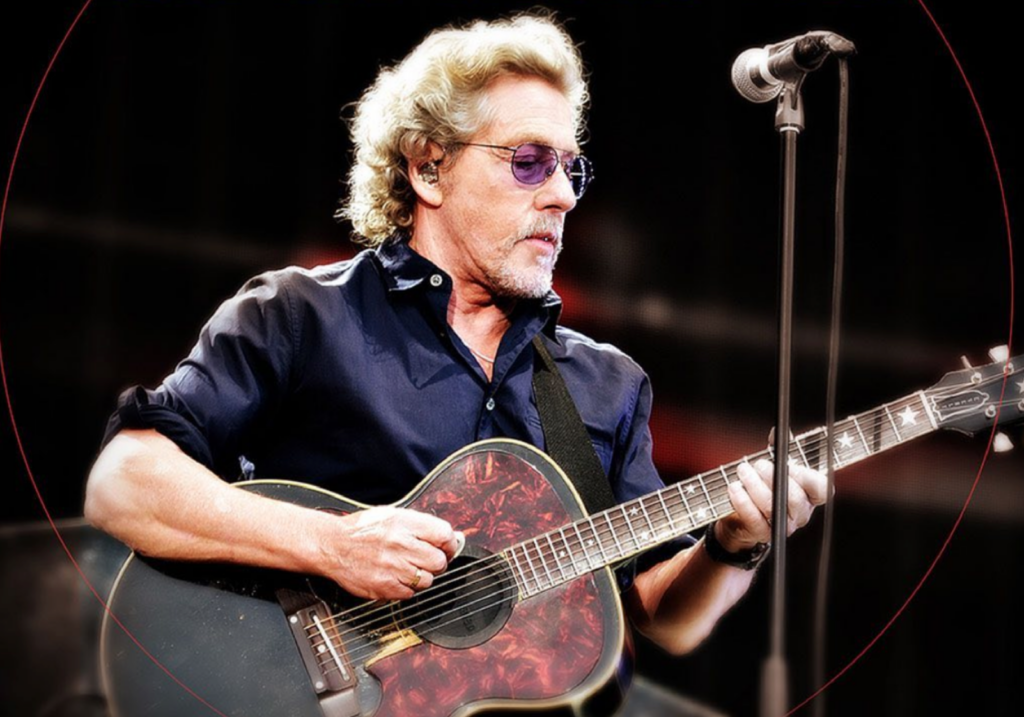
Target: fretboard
[(619, 533)]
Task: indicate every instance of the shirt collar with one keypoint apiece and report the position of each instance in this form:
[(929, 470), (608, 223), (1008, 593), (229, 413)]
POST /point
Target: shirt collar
[(404, 269)]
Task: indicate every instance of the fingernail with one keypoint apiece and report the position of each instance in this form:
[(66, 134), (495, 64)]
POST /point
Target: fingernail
[(460, 543)]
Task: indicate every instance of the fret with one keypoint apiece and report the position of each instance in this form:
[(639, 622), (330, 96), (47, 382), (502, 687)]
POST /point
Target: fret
[(867, 447), (686, 504), (668, 514), (927, 411), (615, 537), (721, 469), (579, 536), (600, 543), (554, 554), (654, 531), (568, 551), (707, 496), (629, 525), (543, 562), (536, 577), (522, 574), (800, 450), (894, 429), (835, 456)]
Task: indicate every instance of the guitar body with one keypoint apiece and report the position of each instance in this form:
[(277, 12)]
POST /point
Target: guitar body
[(224, 632)]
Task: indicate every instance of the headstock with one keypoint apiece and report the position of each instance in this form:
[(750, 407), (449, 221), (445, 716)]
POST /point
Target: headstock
[(968, 400)]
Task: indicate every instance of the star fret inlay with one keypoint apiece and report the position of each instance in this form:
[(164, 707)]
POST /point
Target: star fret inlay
[(845, 441), (909, 416)]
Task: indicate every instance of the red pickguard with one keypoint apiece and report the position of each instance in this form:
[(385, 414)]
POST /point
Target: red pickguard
[(550, 643)]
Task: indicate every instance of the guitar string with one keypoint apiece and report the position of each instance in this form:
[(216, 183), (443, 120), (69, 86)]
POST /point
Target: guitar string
[(371, 648), (664, 520), (357, 655), (379, 605), (414, 609), (410, 617), (543, 554), (806, 447), (483, 567)]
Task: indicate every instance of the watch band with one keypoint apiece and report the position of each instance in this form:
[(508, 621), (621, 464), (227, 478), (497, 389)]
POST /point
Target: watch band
[(744, 559)]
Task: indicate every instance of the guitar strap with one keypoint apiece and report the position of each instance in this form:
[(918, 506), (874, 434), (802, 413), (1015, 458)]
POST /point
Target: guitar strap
[(568, 442)]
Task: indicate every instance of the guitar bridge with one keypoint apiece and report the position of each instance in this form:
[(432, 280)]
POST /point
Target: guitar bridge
[(323, 654)]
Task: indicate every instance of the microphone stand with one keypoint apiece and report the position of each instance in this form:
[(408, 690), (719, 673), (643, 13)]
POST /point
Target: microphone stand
[(789, 122)]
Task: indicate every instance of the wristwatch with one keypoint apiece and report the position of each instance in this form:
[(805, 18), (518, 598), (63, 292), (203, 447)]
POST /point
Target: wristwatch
[(744, 559)]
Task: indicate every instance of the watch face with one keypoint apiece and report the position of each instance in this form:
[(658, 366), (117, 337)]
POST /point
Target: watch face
[(744, 559)]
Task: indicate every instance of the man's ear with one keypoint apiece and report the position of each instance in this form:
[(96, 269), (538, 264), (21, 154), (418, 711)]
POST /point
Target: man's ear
[(425, 176)]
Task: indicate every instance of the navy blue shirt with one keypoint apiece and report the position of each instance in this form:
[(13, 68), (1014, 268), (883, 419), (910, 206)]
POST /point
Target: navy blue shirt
[(348, 376)]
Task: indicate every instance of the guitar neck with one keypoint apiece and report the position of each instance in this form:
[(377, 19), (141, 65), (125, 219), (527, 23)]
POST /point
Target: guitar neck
[(616, 534)]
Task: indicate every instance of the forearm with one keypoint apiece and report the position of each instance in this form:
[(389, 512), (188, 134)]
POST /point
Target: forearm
[(146, 492), (678, 602)]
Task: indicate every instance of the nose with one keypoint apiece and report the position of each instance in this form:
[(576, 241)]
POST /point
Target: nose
[(556, 192)]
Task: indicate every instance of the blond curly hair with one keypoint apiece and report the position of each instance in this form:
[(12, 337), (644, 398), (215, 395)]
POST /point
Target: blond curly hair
[(437, 94)]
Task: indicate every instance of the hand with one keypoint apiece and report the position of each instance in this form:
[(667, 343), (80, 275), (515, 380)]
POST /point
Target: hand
[(388, 553), (751, 498)]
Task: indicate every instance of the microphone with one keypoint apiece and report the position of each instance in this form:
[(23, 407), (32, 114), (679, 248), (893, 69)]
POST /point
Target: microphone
[(760, 73)]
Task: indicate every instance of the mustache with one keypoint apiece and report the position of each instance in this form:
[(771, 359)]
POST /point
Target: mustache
[(544, 226)]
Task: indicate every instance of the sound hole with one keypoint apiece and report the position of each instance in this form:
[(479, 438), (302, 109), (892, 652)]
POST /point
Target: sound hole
[(465, 606)]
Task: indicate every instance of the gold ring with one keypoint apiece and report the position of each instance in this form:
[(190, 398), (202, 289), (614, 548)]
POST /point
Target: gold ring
[(416, 579)]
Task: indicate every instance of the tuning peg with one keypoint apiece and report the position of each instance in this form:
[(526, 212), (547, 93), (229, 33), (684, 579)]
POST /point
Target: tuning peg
[(1002, 443), (999, 353), (965, 362)]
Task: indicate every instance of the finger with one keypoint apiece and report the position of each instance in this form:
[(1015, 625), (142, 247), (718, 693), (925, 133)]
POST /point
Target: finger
[(760, 493), (421, 554), (454, 546), (755, 525), (397, 591), (814, 484), (434, 530), (419, 579), (798, 506)]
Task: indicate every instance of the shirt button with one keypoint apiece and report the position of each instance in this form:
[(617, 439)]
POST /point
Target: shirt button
[(490, 404), (436, 280)]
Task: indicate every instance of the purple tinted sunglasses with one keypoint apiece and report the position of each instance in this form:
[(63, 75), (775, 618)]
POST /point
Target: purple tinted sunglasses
[(534, 164)]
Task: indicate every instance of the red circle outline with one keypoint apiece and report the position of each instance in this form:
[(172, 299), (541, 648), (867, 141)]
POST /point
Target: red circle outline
[(796, 708)]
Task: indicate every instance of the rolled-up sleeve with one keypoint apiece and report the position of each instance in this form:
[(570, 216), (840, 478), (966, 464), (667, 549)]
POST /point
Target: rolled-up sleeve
[(235, 376)]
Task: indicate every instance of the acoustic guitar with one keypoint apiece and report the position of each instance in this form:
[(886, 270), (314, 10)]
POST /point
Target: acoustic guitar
[(528, 617)]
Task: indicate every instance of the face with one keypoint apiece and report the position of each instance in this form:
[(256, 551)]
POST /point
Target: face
[(504, 235)]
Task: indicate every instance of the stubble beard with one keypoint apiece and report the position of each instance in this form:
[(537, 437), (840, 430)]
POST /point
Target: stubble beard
[(513, 280)]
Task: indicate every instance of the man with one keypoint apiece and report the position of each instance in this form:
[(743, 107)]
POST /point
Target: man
[(363, 375)]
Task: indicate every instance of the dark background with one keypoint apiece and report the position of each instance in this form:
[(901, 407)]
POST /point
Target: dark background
[(182, 146)]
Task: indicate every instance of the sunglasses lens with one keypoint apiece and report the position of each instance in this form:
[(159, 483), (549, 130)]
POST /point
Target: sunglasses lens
[(534, 163)]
